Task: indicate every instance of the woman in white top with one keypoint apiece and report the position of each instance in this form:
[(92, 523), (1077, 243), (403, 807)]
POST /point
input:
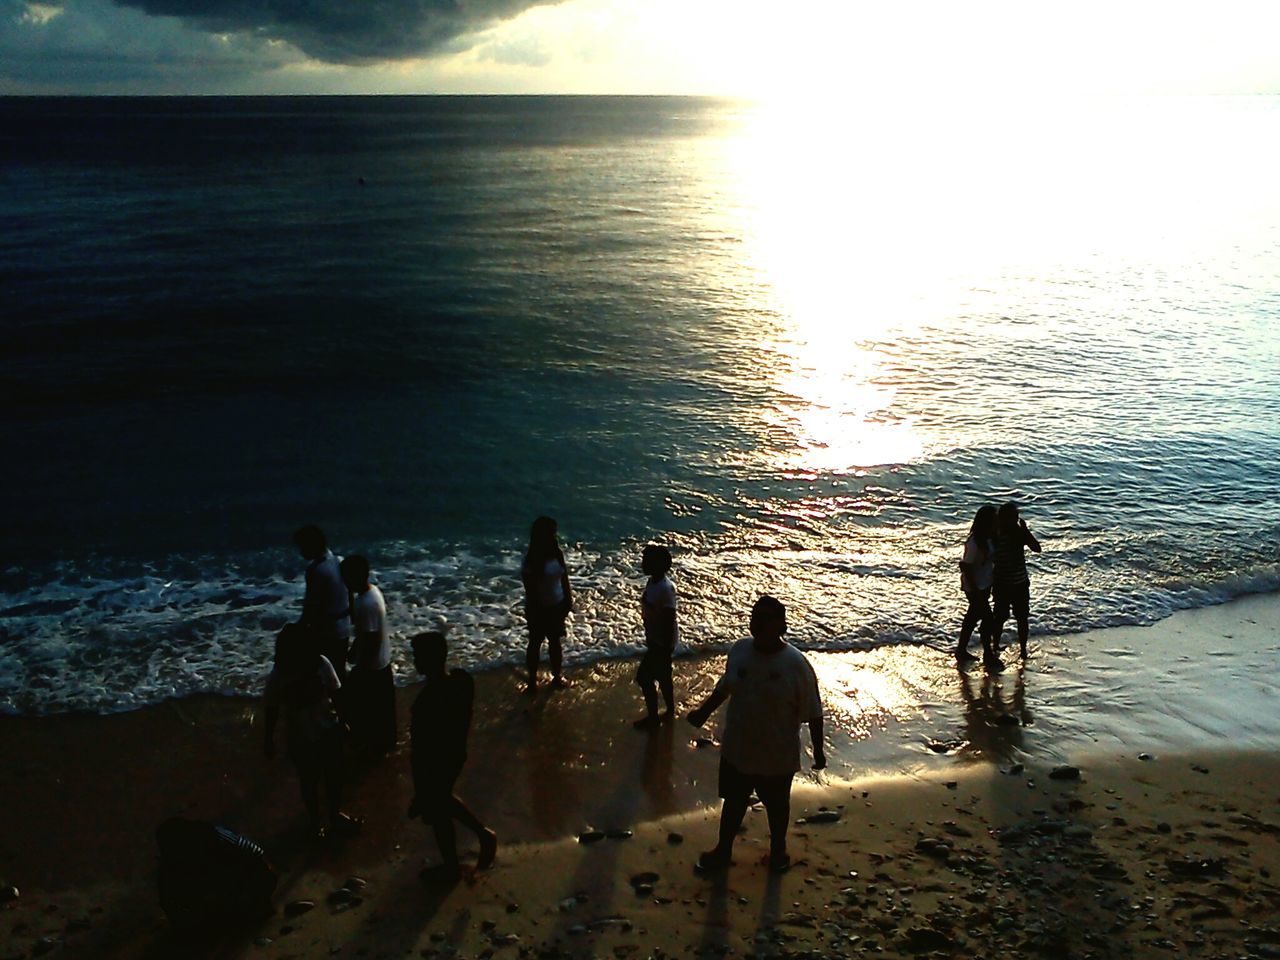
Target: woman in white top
[(548, 599), (976, 569)]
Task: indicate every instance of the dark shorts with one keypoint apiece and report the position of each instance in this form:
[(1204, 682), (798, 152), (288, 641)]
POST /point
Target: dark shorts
[(770, 788), (655, 666), (1015, 597), (546, 622)]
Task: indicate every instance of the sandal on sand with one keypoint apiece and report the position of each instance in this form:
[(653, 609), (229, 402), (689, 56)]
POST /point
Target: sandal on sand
[(779, 864), (488, 850), (710, 860)]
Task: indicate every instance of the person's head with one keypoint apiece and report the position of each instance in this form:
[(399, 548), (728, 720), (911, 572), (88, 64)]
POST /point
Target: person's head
[(1007, 516), (655, 560), (429, 652), (355, 573), (984, 523), (296, 652), (542, 539), (310, 541), (768, 623)]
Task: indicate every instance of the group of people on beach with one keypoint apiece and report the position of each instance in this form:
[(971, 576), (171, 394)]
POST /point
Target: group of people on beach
[(325, 682)]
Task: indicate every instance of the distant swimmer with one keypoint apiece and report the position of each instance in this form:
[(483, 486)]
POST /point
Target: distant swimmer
[(438, 731), (658, 613), (1012, 584), (370, 692), (977, 566), (326, 612), (772, 690), (548, 600)]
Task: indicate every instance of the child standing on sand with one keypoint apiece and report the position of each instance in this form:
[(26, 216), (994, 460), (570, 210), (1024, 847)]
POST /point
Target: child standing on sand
[(658, 611), (548, 600)]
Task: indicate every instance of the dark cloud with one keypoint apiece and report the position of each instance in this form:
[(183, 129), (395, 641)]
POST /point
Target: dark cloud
[(345, 31)]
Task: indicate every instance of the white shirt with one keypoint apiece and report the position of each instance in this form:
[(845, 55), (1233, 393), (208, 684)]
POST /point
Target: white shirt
[(658, 596), (369, 615), (770, 696), (979, 577), (548, 584)]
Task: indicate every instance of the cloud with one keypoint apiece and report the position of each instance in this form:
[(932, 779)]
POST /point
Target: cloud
[(350, 32)]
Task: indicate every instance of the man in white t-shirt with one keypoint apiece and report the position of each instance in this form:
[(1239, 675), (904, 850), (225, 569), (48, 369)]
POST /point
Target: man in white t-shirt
[(772, 690), (370, 690)]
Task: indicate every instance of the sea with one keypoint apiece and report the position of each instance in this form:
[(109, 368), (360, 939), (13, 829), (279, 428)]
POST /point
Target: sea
[(800, 343)]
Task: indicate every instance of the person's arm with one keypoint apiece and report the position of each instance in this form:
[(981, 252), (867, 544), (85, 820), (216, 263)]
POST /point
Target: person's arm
[(815, 740), (698, 716), (568, 590), (1028, 537)]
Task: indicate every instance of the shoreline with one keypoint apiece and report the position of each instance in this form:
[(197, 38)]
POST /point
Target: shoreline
[(88, 790)]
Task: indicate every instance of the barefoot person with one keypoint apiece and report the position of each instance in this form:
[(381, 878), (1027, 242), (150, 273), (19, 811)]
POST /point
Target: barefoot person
[(439, 728), (772, 690), (304, 686), (548, 599), (1012, 584), (976, 570), (658, 611), (370, 689), (325, 610)]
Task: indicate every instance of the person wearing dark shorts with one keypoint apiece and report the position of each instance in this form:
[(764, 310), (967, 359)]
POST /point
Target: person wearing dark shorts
[(658, 612), (440, 725), (1011, 583), (771, 689), (548, 600)]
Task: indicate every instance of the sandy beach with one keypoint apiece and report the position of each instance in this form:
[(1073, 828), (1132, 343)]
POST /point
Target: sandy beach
[(1115, 798)]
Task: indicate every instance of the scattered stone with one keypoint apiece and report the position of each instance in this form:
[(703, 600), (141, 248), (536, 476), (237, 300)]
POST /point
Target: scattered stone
[(1014, 769), (946, 746), (1065, 772), (1194, 869), (505, 940), (675, 839), (298, 907), (44, 945), (513, 908), (622, 834), (343, 897), (822, 816), (9, 894), (1199, 769), (1145, 756), (926, 939), (590, 836), (1163, 827), (702, 743), (262, 942), (648, 877), (951, 784), (934, 847), (356, 883)]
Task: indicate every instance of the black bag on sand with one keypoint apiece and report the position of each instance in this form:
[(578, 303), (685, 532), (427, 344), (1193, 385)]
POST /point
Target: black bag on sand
[(207, 872)]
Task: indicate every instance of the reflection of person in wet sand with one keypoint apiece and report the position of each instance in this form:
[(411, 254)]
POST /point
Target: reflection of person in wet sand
[(1012, 584), (658, 611), (548, 600), (994, 718), (439, 728), (976, 570), (772, 690)]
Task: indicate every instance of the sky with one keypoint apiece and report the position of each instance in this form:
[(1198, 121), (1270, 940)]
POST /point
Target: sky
[(760, 49)]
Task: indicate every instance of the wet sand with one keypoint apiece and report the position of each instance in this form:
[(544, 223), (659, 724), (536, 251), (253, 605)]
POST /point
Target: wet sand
[(954, 847)]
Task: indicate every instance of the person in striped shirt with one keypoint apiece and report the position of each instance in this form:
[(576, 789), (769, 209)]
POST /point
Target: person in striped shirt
[(1011, 585)]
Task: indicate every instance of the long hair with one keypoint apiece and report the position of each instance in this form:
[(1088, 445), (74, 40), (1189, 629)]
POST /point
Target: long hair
[(984, 524), (543, 544)]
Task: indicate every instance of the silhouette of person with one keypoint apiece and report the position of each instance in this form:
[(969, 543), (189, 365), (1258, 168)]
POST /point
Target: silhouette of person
[(1012, 584), (772, 690), (548, 600), (440, 725), (370, 689), (325, 605), (976, 570), (304, 686), (658, 612)]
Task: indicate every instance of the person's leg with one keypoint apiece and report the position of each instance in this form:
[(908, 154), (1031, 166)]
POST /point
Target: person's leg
[(735, 790), (776, 797), (971, 617), (1022, 612), (555, 652), (446, 836), (488, 839), (645, 680), (534, 650), (668, 694)]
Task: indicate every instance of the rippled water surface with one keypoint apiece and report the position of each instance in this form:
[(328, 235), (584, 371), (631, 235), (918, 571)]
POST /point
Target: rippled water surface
[(801, 346)]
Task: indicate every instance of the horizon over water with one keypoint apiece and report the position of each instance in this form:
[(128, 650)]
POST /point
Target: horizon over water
[(801, 344)]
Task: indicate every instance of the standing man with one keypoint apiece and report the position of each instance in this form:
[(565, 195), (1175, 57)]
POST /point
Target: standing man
[(772, 690), (326, 614), (370, 688), (1011, 582)]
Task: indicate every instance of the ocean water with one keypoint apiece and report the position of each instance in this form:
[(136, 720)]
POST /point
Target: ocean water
[(800, 343)]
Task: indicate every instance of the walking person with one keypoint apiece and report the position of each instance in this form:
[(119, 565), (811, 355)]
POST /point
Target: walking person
[(772, 690), (440, 725), (977, 566), (370, 689), (548, 600), (1011, 583), (326, 613), (658, 613)]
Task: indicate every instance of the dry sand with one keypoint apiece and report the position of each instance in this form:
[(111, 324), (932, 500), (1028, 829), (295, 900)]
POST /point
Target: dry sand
[(976, 851)]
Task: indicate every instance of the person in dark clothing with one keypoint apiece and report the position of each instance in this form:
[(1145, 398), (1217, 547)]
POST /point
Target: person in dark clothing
[(658, 612), (1011, 583), (548, 600), (977, 567), (325, 606), (370, 689), (438, 728)]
